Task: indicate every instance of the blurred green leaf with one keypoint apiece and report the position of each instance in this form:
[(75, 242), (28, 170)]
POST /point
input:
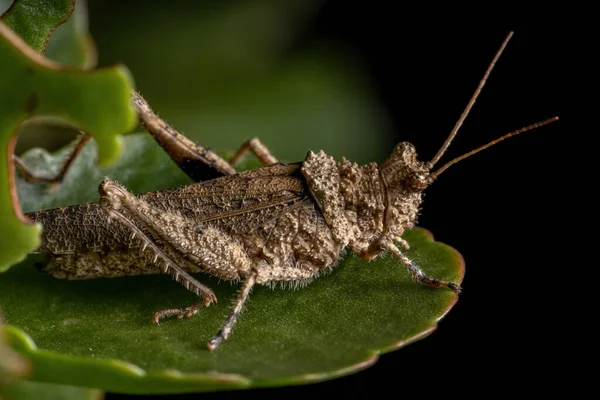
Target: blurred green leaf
[(223, 72), (25, 390), (71, 42), (97, 101), (98, 333), (12, 365)]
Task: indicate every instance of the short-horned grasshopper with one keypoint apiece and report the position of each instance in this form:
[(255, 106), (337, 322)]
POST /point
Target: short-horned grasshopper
[(277, 223)]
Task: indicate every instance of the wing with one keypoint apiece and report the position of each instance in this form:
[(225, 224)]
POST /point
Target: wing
[(237, 204)]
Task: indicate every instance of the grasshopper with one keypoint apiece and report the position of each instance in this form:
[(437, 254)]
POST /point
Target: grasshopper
[(281, 223)]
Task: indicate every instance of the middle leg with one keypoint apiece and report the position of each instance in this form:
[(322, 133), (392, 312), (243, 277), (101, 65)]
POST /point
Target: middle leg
[(259, 150), (56, 180), (240, 301)]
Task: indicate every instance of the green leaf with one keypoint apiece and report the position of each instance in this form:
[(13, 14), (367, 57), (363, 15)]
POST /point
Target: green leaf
[(96, 101), (98, 333), (24, 390), (35, 20)]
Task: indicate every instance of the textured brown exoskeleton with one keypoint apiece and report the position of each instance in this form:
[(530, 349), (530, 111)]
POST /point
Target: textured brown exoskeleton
[(280, 223)]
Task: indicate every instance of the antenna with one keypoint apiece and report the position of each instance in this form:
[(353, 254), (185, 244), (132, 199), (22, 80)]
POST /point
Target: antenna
[(435, 174), (460, 121)]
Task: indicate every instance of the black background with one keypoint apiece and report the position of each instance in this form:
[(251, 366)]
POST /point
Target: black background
[(502, 208)]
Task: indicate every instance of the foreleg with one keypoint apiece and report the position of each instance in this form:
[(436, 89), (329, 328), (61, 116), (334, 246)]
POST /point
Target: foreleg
[(417, 272)]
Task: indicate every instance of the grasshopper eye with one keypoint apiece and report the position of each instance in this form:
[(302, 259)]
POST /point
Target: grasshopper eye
[(420, 181)]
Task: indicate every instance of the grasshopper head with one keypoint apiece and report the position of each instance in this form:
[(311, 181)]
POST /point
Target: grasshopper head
[(404, 173), (404, 179)]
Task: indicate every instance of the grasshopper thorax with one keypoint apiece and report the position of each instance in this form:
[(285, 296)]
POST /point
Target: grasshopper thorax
[(364, 204)]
